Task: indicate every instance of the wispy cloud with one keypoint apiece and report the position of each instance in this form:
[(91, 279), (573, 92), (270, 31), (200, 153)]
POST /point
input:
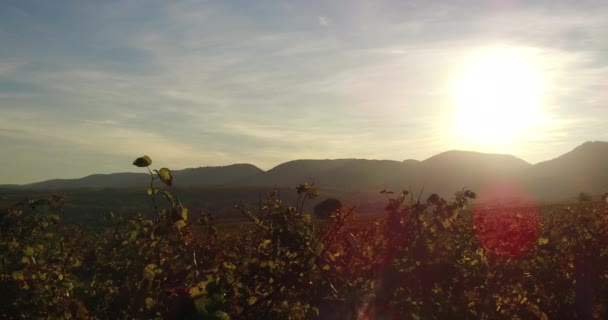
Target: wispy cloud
[(205, 83), (323, 21)]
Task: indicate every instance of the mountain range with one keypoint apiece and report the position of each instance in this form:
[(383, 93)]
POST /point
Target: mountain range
[(584, 169)]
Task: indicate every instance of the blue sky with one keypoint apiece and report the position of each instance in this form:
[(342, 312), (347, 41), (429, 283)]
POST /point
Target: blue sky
[(87, 86)]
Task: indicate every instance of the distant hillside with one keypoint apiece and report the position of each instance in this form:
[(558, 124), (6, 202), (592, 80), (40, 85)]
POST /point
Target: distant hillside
[(338, 175), (215, 176), (193, 177), (294, 172), (583, 169), (364, 175), (94, 181), (453, 170)]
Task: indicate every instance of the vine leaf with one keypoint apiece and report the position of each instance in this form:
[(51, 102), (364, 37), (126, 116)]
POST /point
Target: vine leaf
[(180, 224), (165, 176), (150, 271), (142, 162)]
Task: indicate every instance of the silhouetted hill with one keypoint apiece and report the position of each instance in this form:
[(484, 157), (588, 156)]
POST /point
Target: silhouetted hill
[(453, 170), (192, 177), (583, 169), (364, 175), (215, 176), (94, 181), (295, 172)]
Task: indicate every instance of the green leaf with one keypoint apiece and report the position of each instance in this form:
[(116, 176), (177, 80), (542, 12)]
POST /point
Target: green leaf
[(142, 162), (150, 271), (29, 251), (319, 246), (152, 191), (221, 315), (165, 176)]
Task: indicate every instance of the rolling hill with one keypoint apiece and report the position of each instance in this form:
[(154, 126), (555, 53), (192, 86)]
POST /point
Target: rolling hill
[(191, 177), (582, 169)]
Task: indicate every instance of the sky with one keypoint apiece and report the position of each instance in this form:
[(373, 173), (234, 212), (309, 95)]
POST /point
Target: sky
[(88, 86)]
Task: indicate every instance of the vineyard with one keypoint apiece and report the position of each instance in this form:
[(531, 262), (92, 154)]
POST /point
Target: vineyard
[(424, 258)]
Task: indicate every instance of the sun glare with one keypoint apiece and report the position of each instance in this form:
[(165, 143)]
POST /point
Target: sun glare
[(497, 98)]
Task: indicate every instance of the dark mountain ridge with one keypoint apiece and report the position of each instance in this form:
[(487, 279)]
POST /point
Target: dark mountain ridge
[(190, 177), (584, 169)]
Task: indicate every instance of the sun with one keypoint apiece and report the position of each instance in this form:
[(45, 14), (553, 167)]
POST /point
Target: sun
[(497, 98)]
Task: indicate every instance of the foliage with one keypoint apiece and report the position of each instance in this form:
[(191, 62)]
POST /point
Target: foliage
[(325, 208), (425, 259), (584, 197)]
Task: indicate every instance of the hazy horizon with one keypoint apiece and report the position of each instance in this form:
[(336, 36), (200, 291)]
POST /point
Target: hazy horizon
[(86, 87), (131, 169)]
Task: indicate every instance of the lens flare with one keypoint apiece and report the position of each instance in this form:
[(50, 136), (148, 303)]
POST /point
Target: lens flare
[(506, 219)]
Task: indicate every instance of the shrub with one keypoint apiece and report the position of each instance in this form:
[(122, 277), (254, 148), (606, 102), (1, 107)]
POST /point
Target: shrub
[(325, 208), (584, 197)]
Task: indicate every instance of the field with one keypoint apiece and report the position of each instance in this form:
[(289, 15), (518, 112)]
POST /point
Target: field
[(431, 259), (422, 258)]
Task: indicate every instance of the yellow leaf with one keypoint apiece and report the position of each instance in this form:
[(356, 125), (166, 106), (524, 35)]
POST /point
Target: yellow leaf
[(18, 275), (150, 271), (264, 244), (179, 224), (165, 176), (543, 241), (29, 251), (184, 213), (149, 303), (13, 245), (446, 224), (76, 263)]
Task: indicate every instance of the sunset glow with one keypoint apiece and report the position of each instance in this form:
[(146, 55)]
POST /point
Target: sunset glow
[(498, 97)]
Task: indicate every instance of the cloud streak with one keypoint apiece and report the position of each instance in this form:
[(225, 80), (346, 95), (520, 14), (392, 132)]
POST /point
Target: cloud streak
[(207, 83)]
